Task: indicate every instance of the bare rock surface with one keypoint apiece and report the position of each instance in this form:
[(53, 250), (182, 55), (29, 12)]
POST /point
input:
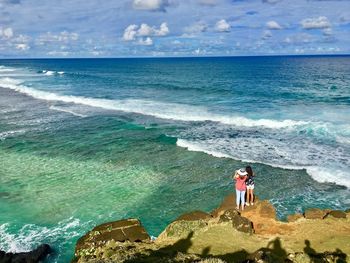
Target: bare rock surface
[(315, 213), (225, 235), (295, 217)]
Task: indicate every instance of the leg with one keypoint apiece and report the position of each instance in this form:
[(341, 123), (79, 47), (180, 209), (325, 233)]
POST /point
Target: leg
[(248, 196), (238, 195), (252, 196), (243, 199), (247, 201)]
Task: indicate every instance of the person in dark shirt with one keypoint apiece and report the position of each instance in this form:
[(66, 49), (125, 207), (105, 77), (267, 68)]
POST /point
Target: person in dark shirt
[(250, 185)]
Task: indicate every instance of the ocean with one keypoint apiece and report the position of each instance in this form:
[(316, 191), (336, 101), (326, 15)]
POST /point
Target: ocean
[(86, 141)]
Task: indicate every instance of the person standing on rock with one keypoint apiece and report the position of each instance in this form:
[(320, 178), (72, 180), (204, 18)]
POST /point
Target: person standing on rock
[(250, 185), (240, 177)]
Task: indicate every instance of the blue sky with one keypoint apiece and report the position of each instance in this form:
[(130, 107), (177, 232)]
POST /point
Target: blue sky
[(129, 28)]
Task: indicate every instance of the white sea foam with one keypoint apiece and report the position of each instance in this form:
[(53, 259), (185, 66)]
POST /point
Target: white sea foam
[(282, 153), (51, 72), (170, 111), (48, 72), (195, 147), (293, 158), (56, 108), (30, 236), (4, 135), (330, 175), (7, 70)]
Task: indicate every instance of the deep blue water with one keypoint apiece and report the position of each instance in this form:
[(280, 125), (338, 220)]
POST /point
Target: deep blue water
[(84, 141)]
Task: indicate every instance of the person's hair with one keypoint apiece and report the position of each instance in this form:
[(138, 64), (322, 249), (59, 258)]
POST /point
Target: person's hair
[(249, 170)]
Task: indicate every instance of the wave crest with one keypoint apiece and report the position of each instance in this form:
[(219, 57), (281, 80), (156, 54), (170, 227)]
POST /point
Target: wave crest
[(170, 111)]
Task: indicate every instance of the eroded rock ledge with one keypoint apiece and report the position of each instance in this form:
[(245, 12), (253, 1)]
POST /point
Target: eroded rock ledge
[(224, 235)]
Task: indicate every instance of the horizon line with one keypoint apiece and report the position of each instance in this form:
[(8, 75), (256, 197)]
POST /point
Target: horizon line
[(162, 57)]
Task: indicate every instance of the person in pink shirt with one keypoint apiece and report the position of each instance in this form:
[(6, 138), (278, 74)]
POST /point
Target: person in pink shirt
[(240, 176)]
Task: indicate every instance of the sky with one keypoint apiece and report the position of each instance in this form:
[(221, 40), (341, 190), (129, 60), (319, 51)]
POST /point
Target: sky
[(158, 28)]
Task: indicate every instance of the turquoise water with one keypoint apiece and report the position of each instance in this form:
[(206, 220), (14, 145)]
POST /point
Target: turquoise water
[(89, 141)]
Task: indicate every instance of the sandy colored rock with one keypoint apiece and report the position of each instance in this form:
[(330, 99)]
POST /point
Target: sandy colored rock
[(121, 231), (215, 238), (295, 217), (238, 222), (315, 213), (337, 214)]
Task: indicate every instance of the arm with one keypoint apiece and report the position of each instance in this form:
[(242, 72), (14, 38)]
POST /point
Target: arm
[(235, 176)]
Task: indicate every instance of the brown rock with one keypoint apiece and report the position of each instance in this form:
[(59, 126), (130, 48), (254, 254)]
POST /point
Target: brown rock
[(337, 214), (295, 217), (193, 216), (122, 230), (238, 222), (315, 213), (266, 210)]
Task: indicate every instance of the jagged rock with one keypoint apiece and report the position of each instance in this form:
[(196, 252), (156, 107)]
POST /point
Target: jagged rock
[(38, 254), (315, 213), (122, 230), (295, 217), (238, 222), (182, 228), (193, 216), (336, 214)]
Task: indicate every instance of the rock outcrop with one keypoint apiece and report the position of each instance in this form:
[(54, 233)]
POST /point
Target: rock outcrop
[(35, 256), (315, 213), (119, 231), (225, 235)]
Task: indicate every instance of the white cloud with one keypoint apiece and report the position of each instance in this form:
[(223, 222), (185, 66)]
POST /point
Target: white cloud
[(316, 23), (163, 30), (152, 5), (134, 32), (196, 28), (298, 39), (130, 33), (58, 53), (273, 25), (145, 30), (145, 42), (222, 26), (6, 32), (22, 46), (63, 36)]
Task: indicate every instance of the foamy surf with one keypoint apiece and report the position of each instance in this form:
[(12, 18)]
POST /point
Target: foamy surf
[(167, 111), (6, 134), (30, 236), (56, 108), (51, 72), (321, 174)]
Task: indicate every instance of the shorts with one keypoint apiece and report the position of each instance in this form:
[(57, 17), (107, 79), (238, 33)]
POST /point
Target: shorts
[(251, 186)]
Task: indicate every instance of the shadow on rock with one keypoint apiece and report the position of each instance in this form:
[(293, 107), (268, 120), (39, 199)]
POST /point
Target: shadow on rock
[(336, 256), (176, 251)]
